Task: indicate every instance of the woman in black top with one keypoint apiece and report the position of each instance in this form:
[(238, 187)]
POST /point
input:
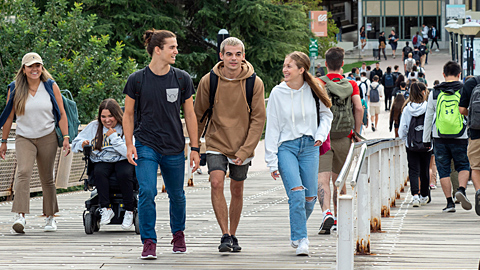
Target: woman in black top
[(381, 44), (392, 40), (363, 38)]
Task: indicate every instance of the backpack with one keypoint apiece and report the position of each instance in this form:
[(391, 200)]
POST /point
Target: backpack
[(340, 92), (408, 50), (389, 80), (410, 64), (430, 33), (415, 134), (374, 94), (363, 90), (139, 77), (416, 55), (474, 106), (450, 123), (415, 39), (249, 84), (71, 111)]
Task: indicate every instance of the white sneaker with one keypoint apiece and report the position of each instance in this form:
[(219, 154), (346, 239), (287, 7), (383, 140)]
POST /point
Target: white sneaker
[(416, 201), (199, 171), (50, 224), (437, 50), (19, 224), (294, 244), (127, 220), (302, 248), (423, 200), (107, 215)]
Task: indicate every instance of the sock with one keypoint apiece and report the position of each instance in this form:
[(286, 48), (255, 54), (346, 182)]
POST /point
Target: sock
[(450, 201), (462, 189)]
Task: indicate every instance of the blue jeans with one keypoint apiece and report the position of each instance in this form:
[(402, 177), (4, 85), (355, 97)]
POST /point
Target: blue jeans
[(173, 168), (298, 166)]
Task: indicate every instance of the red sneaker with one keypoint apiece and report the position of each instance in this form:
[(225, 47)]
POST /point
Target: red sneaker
[(149, 250), (178, 242)]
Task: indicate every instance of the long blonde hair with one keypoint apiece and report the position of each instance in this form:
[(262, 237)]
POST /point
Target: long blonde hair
[(302, 61), (21, 89)]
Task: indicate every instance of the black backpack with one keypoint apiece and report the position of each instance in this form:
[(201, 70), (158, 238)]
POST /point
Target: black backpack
[(474, 106), (374, 94), (250, 83), (416, 55), (139, 77), (415, 134), (362, 94)]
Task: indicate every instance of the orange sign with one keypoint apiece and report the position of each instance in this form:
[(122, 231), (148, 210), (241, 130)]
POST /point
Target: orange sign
[(319, 23)]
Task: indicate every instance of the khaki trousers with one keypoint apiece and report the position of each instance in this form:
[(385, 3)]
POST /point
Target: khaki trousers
[(422, 60), (43, 150)]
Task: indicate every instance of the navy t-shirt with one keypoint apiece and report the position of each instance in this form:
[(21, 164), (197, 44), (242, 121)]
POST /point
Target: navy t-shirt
[(465, 102), (160, 127)]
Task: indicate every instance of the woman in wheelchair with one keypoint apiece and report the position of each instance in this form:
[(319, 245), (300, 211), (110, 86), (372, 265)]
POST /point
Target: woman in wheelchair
[(109, 156)]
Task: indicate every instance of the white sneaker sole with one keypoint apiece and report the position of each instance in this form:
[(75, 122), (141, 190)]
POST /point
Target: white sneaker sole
[(149, 257), (18, 228), (126, 228), (302, 252), (50, 229), (107, 221), (466, 204)]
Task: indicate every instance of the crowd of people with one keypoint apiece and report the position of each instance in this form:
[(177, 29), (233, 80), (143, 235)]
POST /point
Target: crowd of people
[(311, 122)]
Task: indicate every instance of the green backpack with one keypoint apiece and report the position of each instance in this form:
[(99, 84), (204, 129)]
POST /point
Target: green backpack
[(449, 121), (340, 93), (71, 111)]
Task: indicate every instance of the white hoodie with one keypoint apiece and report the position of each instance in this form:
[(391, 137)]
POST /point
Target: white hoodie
[(113, 148), (291, 115), (411, 110)]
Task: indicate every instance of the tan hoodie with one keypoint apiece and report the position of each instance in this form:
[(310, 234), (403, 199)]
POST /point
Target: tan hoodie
[(232, 130)]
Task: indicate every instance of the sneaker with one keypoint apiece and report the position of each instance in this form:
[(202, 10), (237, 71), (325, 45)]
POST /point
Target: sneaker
[(437, 50), (149, 250), (424, 200), (178, 242), (294, 244), (327, 223), (477, 202), (334, 226), (19, 224), (199, 171), (235, 246), (302, 249), (127, 220), (450, 208), (50, 224), (373, 127), (107, 215), (225, 243), (416, 201), (462, 197), (432, 186)]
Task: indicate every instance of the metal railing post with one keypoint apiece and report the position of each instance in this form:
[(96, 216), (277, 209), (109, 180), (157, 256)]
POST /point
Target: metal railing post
[(375, 185), (391, 176), (363, 211), (384, 179), (345, 233), (398, 177)]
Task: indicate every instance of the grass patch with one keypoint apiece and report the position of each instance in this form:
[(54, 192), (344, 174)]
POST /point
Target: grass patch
[(348, 67)]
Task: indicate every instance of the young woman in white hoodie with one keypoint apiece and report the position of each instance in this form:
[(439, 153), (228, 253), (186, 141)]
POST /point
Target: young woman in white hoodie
[(418, 159), (296, 128), (110, 157)]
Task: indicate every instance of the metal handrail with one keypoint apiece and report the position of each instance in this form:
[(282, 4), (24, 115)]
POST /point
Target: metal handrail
[(361, 160), (342, 176)]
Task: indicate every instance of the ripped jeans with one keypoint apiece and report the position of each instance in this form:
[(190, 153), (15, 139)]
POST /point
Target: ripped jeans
[(298, 167)]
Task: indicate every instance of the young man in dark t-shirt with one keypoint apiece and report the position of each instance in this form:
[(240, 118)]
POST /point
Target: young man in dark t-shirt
[(159, 137), (406, 50), (473, 149)]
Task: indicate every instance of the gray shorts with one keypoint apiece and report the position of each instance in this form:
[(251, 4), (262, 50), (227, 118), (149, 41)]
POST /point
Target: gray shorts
[(218, 162)]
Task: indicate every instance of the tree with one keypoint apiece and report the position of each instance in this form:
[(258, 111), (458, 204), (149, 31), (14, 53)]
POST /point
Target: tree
[(77, 58)]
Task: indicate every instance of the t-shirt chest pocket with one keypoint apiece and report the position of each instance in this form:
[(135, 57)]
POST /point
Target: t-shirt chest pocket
[(172, 94)]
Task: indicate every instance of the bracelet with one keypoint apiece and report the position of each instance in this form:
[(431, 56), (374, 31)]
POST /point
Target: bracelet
[(4, 141), (66, 136), (196, 149)]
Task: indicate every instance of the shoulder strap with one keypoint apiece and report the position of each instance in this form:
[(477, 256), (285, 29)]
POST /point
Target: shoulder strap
[(138, 78), (317, 105), (477, 79), (181, 78), (211, 98), (249, 89)]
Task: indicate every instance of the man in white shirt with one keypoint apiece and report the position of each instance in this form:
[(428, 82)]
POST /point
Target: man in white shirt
[(425, 33)]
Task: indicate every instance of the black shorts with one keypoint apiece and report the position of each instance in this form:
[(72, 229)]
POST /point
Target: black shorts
[(220, 162)]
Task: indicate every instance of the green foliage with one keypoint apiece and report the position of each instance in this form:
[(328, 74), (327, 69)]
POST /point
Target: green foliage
[(77, 58)]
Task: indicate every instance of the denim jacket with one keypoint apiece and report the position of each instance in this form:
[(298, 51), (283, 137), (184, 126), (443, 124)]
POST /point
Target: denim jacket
[(8, 109)]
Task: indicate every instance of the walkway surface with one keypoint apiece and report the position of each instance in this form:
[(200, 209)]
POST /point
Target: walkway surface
[(412, 238)]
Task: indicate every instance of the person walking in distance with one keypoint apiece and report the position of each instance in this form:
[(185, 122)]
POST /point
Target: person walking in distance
[(363, 37), (434, 37), (382, 44), (393, 41), (388, 81), (347, 112), (292, 139), (375, 92), (234, 124), (153, 99), (447, 126), (35, 100)]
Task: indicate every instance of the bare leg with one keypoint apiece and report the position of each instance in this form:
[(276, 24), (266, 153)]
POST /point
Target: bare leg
[(463, 178), (476, 178), (324, 192), (446, 186), (218, 199), (236, 204), (376, 120)]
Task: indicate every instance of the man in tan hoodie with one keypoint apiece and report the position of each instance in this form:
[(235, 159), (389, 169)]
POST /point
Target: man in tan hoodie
[(233, 131)]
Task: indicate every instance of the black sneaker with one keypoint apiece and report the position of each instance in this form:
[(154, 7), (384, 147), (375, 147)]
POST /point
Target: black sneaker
[(477, 202), (373, 127), (462, 197), (450, 208), (327, 223), (235, 246), (225, 243)]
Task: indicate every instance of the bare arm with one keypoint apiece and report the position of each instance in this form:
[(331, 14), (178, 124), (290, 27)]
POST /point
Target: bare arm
[(357, 112), (63, 123), (192, 128), (463, 111), (128, 129), (6, 130)]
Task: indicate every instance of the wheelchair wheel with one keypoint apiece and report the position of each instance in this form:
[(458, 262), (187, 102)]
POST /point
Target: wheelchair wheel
[(137, 223), (96, 226), (88, 223)]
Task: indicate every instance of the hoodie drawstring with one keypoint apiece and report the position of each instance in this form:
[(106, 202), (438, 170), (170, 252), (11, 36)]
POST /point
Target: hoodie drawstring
[(293, 115), (303, 106)]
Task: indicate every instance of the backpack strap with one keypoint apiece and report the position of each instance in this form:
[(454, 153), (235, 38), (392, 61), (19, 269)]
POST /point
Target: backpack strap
[(211, 98), (250, 83), (477, 79), (181, 78), (317, 105), (138, 78)]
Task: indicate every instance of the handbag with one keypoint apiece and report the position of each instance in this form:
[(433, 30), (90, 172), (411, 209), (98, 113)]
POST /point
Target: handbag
[(325, 146)]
